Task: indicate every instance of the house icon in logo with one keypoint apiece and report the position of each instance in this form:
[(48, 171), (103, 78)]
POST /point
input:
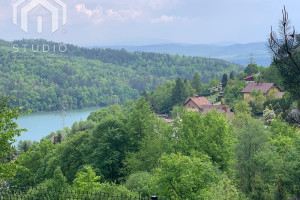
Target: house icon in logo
[(30, 5)]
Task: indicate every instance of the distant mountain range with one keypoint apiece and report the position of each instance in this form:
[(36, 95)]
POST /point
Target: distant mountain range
[(236, 53)]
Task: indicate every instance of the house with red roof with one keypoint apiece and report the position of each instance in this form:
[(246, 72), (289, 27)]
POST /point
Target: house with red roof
[(265, 88), (201, 104), (194, 103), (249, 79)]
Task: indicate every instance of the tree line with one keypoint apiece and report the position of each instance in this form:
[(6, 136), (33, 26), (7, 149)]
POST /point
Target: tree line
[(127, 149), (83, 77)]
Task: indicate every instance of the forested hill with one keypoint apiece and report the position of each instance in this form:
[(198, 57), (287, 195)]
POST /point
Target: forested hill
[(82, 77)]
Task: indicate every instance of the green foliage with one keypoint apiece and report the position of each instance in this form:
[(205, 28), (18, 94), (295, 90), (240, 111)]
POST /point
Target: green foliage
[(138, 182), (82, 126), (24, 145), (179, 93), (224, 80), (242, 107), (190, 91), (177, 111), (151, 149), (70, 156), (231, 76), (272, 94), (269, 114), (188, 159), (165, 97), (224, 190), (233, 92), (257, 163), (196, 83), (257, 102), (140, 123), (29, 164), (213, 82), (108, 144), (161, 98), (183, 177), (280, 105), (286, 56), (58, 181), (209, 135), (84, 77), (251, 69), (86, 182), (8, 131), (147, 135), (51, 188), (113, 110), (285, 139), (272, 75)]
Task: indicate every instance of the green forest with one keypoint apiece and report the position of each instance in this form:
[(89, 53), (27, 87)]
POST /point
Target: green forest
[(82, 77), (127, 149)]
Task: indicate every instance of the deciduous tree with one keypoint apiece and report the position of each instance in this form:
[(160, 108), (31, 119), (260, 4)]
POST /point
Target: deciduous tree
[(8, 131)]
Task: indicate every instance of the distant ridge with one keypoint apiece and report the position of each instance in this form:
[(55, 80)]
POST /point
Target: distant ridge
[(236, 53), (91, 77)]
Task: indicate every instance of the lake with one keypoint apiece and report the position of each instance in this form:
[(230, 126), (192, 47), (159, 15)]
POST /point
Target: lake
[(42, 124)]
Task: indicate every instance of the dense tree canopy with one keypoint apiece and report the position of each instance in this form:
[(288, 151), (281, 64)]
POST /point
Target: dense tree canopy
[(126, 149), (8, 131), (83, 77), (196, 83), (251, 69)]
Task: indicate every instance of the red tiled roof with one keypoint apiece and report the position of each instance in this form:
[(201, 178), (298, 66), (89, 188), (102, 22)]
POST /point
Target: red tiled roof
[(248, 77), (199, 101), (264, 87)]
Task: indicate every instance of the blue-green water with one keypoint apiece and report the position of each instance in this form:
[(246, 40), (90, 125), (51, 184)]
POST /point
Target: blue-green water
[(42, 124)]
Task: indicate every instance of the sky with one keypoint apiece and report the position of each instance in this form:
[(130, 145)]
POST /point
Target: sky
[(142, 22)]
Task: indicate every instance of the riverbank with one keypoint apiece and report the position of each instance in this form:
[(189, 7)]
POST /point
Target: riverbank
[(41, 124)]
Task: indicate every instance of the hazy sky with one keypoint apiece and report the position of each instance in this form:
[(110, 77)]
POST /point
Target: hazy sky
[(116, 22)]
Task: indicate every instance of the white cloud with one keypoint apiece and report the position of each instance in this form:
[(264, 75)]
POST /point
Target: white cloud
[(163, 19), (100, 15), (82, 9)]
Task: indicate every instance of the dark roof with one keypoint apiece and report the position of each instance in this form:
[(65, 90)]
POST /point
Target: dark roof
[(264, 87), (199, 101)]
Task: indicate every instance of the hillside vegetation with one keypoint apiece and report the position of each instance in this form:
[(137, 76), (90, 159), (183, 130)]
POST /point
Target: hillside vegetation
[(82, 77)]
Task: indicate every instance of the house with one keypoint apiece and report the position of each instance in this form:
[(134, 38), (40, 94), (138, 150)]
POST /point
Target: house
[(194, 103), (220, 108), (202, 105), (265, 88), (249, 79)]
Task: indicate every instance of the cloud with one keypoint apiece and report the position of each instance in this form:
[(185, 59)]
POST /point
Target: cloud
[(100, 15), (164, 19), (82, 9)]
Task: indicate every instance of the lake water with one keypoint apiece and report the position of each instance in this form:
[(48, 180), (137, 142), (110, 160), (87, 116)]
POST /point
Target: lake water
[(42, 124)]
